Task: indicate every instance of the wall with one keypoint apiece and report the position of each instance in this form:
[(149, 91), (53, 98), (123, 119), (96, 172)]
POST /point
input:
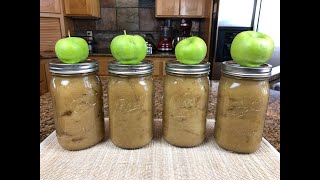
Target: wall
[(134, 16)]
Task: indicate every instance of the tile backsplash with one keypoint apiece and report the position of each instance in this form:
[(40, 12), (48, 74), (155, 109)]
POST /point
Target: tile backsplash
[(134, 16)]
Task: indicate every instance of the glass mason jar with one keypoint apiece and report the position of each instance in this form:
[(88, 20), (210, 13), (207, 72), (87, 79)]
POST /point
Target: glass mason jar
[(130, 101), (77, 103), (185, 103), (243, 95)]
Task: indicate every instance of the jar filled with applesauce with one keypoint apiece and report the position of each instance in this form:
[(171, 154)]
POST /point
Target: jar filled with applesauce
[(77, 99), (185, 103), (242, 102), (130, 102)]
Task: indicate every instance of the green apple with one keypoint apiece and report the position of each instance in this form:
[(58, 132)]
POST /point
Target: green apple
[(251, 48), (128, 49), (191, 50), (72, 50)]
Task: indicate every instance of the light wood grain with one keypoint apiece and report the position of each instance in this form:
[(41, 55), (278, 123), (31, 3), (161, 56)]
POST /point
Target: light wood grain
[(50, 6), (157, 160), (50, 33), (194, 8), (82, 8), (180, 8), (167, 8)]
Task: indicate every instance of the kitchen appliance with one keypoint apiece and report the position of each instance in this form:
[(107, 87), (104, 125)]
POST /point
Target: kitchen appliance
[(231, 17), (185, 26), (165, 40), (151, 47), (91, 42)]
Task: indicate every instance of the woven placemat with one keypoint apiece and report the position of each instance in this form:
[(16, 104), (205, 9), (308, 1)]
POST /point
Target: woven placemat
[(158, 160)]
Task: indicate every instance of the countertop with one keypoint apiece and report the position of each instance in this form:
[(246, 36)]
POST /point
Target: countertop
[(272, 123)]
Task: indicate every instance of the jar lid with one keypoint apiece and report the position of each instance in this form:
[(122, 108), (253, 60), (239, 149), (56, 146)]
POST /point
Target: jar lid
[(176, 67), (86, 66), (234, 69), (144, 67)]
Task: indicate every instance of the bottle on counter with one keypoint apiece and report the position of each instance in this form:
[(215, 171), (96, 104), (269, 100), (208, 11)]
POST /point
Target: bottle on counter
[(77, 99), (185, 103), (131, 104), (242, 102)]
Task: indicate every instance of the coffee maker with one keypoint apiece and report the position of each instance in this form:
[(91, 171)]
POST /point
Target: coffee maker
[(185, 26), (165, 40)]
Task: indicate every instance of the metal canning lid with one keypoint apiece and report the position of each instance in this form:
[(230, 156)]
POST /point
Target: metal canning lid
[(234, 69), (176, 67), (144, 67), (86, 66)]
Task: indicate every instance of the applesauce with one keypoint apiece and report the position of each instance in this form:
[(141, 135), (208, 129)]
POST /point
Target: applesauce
[(77, 103), (131, 99), (185, 103), (242, 102)]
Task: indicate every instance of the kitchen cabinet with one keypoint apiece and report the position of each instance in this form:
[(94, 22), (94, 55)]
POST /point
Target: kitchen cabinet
[(82, 8), (180, 8), (50, 33), (53, 24), (50, 6), (43, 79)]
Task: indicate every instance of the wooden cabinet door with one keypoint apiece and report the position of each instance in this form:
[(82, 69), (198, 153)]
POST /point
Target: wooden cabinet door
[(194, 8), (157, 68), (50, 33), (82, 8), (50, 6), (103, 67), (43, 80), (103, 62), (42, 73), (167, 8)]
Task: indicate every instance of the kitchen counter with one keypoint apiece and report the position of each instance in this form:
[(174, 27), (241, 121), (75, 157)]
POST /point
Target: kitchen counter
[(272, 122)]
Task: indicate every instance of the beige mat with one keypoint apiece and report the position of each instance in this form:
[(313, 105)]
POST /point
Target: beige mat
[(158, 160)]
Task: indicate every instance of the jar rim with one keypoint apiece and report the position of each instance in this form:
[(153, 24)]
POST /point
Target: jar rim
[(234, 69), (86, 66), (144, 67), (175, 67)]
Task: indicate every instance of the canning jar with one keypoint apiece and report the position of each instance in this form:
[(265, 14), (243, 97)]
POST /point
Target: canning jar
[(130, 101), (77, 104), (185, 103), (242, 102)]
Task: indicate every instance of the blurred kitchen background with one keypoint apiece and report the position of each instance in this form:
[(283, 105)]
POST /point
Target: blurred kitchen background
[(136, 17), (163, 23)]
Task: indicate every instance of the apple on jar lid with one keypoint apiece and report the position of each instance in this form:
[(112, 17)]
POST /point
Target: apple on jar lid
[(72, 50), (251, 48), (128, 49), (191, 50)]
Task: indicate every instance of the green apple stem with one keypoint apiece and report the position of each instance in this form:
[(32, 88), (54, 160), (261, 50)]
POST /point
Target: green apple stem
[(125, 33), (69, 33)]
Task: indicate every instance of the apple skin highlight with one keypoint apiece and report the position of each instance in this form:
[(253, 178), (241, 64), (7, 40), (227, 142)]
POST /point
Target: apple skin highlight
[(251, 48), (191, 50), (128, 49), (72, 50)]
